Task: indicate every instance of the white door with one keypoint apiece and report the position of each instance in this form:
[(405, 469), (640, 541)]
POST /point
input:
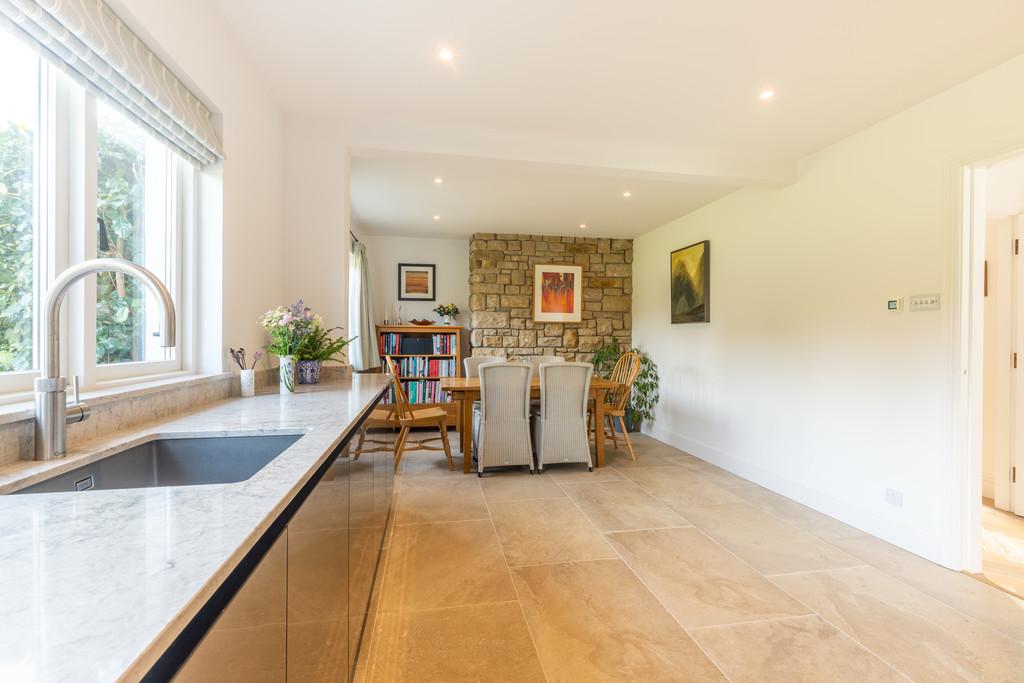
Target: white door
[(1013, 473)]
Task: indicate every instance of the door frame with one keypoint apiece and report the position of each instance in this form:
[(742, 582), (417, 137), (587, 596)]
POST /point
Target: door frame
[(969, 368)]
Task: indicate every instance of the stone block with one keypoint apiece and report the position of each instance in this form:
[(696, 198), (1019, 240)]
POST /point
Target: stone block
[(528, 338), (622, 245), (549, 341), (616, 303), (605, 282), (485, 288), (591, 294), (490, 319), (581, 249), (518, 277), (492, 302), (520, 312), (604, 326), (570, 339), (492, 340), (618, 269), (510, 341), (589, 344), (552, 329), (514, 301), (497, 245)]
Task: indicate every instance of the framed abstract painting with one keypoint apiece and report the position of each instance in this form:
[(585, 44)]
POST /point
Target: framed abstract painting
[(557, 294), (416, 282), (690, 282)]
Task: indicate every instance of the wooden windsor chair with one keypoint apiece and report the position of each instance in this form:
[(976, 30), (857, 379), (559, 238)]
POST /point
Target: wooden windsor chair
[(625, 372)]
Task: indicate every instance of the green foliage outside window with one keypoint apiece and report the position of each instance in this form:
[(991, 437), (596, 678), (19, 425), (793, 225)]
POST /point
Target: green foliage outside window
[(120, 198), (16, 255)]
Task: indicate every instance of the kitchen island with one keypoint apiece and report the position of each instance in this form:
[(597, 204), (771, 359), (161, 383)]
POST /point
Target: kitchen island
[(122, 584)]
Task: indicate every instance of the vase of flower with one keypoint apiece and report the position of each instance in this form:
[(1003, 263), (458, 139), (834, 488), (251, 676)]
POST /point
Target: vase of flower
[(248, 382), (247, 377), (287, 327), (447, 313), (317, 347), (287, 373)]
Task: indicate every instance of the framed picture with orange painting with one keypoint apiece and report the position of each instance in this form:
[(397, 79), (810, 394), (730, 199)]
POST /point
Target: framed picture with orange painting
[(557, 294), (416, 281)]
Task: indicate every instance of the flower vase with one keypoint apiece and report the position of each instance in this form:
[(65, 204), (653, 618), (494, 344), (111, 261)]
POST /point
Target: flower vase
[(287, 374), (446, 319), (248, 380), (309, 371)]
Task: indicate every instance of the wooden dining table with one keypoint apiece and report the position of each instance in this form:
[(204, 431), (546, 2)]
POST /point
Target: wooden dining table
[(465, 390)]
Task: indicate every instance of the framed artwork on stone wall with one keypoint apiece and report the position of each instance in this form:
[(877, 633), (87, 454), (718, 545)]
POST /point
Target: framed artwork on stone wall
[(416, 282), (557, 294), (691, 270)]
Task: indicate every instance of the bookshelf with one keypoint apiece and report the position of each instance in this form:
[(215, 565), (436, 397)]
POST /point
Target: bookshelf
[(424, 354)]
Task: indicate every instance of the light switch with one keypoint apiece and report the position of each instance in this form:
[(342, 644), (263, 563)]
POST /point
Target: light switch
[(925, 302), (894, 305)]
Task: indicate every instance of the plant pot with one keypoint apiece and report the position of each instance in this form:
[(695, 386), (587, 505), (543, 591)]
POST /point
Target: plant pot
[(286, 372), (632, 424), (309, 371), (248, 381)]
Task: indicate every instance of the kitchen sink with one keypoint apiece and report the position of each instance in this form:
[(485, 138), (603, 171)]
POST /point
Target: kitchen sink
[(173, 462)]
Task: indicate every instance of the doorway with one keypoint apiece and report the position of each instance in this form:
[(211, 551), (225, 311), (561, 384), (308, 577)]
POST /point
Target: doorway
[(997, 319)]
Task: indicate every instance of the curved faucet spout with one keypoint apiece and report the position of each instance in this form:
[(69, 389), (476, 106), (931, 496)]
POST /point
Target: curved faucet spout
[(50, 333), (51, 398)]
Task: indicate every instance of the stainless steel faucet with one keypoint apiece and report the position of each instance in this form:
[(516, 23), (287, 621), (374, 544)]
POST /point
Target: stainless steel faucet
[(52, 411)]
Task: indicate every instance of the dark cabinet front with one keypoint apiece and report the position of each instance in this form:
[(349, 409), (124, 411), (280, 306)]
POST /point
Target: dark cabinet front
[(301, 613)]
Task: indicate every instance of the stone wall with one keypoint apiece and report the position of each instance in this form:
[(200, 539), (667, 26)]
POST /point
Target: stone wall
[(501, 294)]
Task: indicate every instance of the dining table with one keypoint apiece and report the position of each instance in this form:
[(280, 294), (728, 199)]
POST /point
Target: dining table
[(466, 390)]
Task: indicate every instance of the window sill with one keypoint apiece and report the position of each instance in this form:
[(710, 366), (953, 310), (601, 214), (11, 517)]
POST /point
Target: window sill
[(20, 406)]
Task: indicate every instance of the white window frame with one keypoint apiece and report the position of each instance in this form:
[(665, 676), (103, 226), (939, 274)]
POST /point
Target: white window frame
[(65, 181)]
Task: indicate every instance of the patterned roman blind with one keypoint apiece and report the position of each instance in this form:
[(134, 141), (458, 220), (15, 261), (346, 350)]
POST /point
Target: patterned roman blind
[(90, 43)]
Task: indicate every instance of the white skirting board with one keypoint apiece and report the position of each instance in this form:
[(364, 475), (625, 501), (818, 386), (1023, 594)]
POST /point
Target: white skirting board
[(901, 535)]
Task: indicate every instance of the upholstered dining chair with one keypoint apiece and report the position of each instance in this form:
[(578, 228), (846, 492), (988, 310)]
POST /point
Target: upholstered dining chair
[(473, 363), (536, 361), (625, 373), (560, 423), (502, 430), (405, 417)]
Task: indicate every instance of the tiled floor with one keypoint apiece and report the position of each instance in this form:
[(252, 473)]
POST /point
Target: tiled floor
[(1002, 547), (662, 570)]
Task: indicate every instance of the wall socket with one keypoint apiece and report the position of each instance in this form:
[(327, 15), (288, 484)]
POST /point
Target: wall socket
[(925, 302), (894, 498)]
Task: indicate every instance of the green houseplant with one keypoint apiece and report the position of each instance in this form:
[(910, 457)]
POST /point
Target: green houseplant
[(317, 347), (644, 396)]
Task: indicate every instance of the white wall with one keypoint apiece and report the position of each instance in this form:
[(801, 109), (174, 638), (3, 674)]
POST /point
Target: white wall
[(240, 269), (802, 381), (451, 285)]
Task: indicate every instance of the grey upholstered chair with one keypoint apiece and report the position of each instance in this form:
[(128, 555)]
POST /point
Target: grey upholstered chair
[(502, 431), (536, 361), (560, 423)]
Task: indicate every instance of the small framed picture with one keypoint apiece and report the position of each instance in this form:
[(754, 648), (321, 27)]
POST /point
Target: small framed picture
[(416, 281), (557, 294)]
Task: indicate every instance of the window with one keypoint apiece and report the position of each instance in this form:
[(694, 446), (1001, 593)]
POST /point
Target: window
[(66, 155), (19, 119)]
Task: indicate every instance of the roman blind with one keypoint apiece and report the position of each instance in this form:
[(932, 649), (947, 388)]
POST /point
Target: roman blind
[(90, 43)]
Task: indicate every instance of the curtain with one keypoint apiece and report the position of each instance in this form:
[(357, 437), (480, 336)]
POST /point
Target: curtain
[(92, 45), (363, 351)]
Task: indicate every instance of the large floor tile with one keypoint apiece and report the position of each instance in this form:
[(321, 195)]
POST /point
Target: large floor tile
[(771, 546), (989, 605), (553, 530), (516, 485), (471, 643), (913, 632), (595, 621), (444, 565), (800, 516), (440, 499), (621, 506), (791, 650), (701, 583), (431, 463), (681, 485), (573, 473), (715, 474)]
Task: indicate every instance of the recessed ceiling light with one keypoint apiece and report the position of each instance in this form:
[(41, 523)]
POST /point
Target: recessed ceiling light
[(445, 54), (583, 226), (438, 180), (766, 94), (436, 217), (627, 194)]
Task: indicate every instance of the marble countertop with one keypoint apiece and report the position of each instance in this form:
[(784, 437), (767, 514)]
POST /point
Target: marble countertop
[(94, 586)]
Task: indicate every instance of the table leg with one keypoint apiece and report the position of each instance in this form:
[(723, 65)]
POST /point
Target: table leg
[(599, 428), (466, 437)]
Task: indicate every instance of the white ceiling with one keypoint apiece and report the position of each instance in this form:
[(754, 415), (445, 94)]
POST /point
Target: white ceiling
[(667, 86), (394, 193)]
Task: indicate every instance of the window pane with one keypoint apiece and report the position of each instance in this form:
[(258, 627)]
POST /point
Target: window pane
[(132, 223), (19, 116)]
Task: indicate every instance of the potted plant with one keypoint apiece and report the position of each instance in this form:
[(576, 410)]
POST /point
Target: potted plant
[(315, 348), (287, 327), (447, 312), (644, 395)]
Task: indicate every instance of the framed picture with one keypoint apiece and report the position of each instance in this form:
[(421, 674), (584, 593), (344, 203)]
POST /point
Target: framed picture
[(690, 282), (416, 281), (557, 294)]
